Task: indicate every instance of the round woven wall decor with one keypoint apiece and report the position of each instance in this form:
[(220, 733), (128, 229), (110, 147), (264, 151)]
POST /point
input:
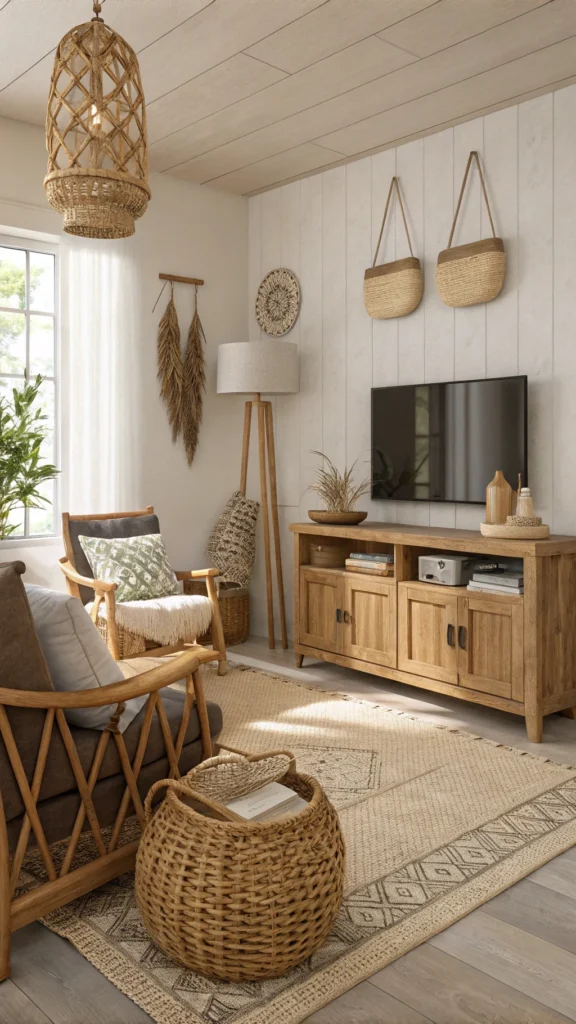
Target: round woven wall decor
[(278, 302)]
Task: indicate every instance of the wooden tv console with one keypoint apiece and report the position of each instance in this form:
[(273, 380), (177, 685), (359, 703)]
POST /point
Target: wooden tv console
[(516, 653)]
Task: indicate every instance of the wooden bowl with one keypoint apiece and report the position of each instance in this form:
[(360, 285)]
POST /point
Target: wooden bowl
[(337, 518)]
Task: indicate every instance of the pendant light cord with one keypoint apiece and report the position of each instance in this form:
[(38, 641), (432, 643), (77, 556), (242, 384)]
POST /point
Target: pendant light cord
[(97, 7)]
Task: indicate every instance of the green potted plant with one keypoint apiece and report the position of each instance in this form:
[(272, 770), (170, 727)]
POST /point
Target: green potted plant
[(22, 470), (339, 494)]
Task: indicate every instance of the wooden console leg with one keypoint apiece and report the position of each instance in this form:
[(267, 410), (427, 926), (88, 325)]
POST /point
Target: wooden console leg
[(299, 660), (5, 899), (534, 724), (569, 712)]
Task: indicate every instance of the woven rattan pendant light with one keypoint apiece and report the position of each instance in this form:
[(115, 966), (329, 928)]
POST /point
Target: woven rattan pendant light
[(96, 133)]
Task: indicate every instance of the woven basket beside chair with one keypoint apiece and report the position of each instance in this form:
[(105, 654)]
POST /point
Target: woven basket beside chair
[(233, 899), (234, 603)]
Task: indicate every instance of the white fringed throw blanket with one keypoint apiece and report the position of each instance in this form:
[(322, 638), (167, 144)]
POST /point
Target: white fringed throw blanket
[(166, 620)]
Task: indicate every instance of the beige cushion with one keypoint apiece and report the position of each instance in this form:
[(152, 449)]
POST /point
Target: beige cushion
[(77, 656)]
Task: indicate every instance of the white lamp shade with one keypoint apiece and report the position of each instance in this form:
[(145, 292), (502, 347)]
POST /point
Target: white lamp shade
[(258, 367)]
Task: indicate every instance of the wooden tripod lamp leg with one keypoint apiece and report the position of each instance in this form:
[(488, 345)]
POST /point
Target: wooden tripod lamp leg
[(265, 521), (245, 446), (275, 524)]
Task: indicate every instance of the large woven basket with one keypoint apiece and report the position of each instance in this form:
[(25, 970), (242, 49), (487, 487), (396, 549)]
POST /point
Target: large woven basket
[(234, 605), (475, 272), (396, 288), (235, 900)]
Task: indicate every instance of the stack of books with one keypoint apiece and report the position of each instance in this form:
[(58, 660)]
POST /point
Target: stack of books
[(267, 803), (498, 581), (378, 564)]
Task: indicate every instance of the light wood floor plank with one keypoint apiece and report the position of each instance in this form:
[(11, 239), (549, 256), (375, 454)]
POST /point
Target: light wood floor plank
[(527, 963), (559, 874), (16, 1008), (56, 977), (538, 910), (366, 1004), (450, 992)]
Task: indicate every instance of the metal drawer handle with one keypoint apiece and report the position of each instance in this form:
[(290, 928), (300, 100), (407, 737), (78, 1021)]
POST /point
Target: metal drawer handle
[(338, 615), (347, 618), (462, 637), (450, 635)]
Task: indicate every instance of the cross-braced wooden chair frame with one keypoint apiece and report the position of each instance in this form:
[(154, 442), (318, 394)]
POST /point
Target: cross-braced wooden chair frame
[(105, 593), (68, 883)]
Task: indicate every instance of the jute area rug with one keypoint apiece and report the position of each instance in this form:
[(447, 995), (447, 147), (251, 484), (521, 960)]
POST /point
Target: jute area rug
[(436, 822)]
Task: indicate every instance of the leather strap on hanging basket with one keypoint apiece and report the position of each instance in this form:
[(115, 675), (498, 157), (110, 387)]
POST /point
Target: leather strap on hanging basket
[(471, 273), (396, 288)]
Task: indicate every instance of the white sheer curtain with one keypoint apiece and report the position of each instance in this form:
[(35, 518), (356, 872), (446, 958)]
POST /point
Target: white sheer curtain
[(101, 407)]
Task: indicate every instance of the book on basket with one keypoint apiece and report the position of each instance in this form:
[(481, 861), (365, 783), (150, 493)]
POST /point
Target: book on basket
[(271, 801)]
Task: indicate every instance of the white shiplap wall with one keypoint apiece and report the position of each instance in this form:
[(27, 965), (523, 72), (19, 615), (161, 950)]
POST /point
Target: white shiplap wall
[(325, 227)]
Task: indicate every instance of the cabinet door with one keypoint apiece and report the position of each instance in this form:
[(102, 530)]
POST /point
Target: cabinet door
[(491, 645), (370, 620), (321, 598), (427, 620)]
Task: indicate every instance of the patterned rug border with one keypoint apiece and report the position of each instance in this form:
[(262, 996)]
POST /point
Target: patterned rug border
[(295, 1004)]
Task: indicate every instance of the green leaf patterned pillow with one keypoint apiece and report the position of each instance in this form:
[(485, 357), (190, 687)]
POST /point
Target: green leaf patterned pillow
[(139, 565)]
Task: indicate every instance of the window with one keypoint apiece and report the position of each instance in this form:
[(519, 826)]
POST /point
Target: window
[(28, 346)]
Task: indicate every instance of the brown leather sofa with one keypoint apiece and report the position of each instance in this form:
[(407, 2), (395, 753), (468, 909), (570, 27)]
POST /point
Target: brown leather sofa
[(57, 781)]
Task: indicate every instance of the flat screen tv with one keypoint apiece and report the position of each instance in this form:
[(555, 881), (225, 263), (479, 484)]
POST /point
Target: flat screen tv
[(444, 442)]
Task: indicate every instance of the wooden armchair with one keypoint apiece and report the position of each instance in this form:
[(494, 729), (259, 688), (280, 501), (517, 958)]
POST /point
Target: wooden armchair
[(123, 643), (111, 780)]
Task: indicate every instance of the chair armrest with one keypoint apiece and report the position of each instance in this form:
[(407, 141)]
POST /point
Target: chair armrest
[(196, 574), (114, 693), (98, 586)]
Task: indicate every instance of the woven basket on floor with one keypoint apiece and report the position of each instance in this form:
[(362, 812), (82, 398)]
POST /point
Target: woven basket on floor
[(236, 900), (475, 272), (234, 611), (396, 288)]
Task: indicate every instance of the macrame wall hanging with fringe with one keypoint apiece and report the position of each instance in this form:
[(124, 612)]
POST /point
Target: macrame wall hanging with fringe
[(182, 377)]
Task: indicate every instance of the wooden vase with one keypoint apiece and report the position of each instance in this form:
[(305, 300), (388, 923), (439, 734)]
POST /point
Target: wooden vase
[(498, 499)]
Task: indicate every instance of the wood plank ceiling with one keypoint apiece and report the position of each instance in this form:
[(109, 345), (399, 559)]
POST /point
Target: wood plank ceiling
[(246, 94)]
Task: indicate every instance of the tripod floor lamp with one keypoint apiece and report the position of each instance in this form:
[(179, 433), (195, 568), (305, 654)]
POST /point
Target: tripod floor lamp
[(262, 368)]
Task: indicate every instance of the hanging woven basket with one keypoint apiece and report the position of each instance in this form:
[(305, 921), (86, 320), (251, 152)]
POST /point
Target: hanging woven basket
[(475, 272), (96, 134), (395, 288)]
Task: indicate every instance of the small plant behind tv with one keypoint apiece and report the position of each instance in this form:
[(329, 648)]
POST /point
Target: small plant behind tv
[(385, 483)]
